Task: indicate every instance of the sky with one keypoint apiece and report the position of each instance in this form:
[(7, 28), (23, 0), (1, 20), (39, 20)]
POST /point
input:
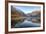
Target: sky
[(28, 9)]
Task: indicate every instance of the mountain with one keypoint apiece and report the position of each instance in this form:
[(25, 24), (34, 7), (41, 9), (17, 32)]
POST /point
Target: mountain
[(16, 11), (36, 12), (35, 16)]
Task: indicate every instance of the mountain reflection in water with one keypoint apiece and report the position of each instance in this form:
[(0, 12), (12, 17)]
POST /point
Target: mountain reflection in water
[(27, 23)]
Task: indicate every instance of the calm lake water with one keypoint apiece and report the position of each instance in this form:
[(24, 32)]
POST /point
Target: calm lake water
[(27, 23)]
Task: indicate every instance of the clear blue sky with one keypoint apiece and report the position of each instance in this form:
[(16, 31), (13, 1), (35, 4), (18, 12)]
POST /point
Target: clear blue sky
[(27, 9)]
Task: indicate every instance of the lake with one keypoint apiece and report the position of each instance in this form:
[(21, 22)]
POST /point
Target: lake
[(27, 23)]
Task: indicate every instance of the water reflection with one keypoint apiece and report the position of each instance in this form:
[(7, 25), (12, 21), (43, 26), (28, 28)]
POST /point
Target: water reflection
[(24, 23)]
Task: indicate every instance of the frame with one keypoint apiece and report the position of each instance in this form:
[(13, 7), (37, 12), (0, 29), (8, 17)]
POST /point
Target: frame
[(8, 14)]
